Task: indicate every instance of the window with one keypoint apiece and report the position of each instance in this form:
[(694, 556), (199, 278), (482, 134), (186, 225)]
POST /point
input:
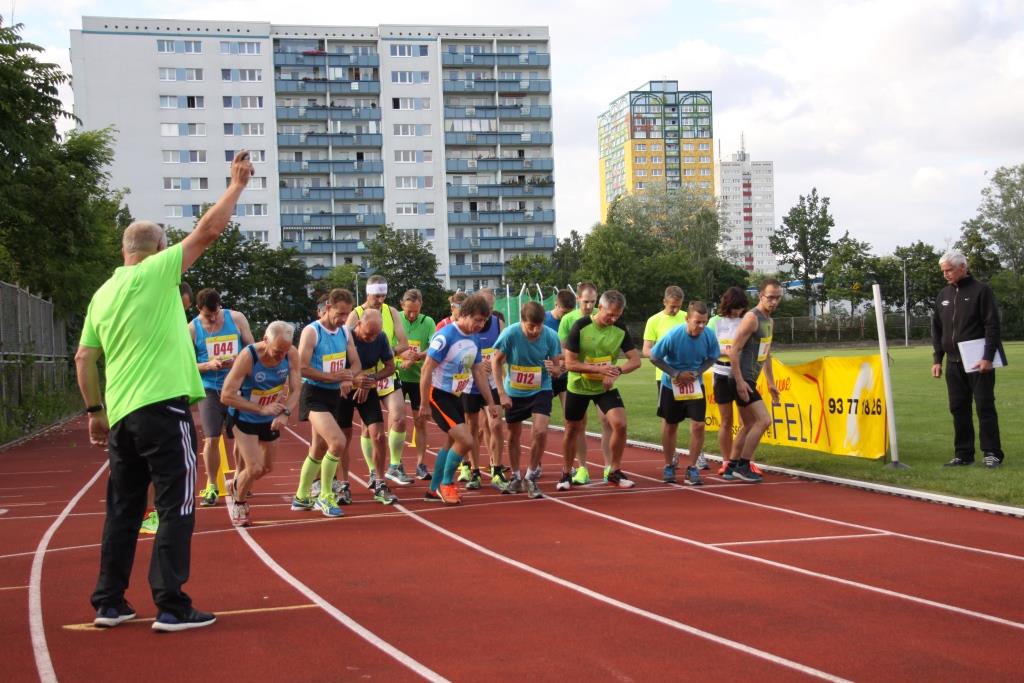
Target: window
[(704, 147), (168, 101), (193, 46), (165, 46), (705, 171), (409, 50), (410, 103), (405, 156), (688, 160), (250, 129), (656, 172), (251, 210), (405, 208), (655, 160), (256, 156), (169, 129), (639, 160), (640, 147), (411, 129), (641, 173), (171, 156), (241, 47), (172, 183), (197, 156), (688, 147), (250, 75), (655, 147), (255, 183), (640, 186), (173, 211), (168, 74), (193, 74), (250, 102), (414, 182)]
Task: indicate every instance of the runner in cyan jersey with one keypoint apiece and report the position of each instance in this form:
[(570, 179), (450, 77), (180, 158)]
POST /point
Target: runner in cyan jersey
[(683, 355), (389, 390), (419, 329), (731, 308), (453, 363), (591, 353), (489, 431), (328, 362), (751, 351), (263, 386), (218, 335), (533, 354)]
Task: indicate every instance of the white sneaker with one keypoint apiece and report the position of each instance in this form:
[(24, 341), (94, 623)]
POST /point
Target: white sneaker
[(702, 463)]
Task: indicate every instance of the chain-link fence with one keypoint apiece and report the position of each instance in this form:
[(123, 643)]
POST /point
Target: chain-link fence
[(840, 329), (33, 347)]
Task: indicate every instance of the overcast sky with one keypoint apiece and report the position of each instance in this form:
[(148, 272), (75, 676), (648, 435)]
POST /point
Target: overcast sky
[(893, 108)]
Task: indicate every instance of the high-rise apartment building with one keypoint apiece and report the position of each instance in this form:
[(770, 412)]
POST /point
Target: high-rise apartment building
[(747, 194), (656, 135), (445, 130)]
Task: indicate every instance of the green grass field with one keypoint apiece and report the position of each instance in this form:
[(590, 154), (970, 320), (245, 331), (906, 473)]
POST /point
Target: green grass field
[(923, 423)]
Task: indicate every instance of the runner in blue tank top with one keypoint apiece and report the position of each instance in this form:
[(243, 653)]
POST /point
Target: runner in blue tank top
[(263, 386), (218, 335), (453, 362), (328, 361)]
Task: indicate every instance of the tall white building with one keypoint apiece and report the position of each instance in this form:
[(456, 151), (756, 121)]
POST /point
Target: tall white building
[(445, 130), (747, 193)]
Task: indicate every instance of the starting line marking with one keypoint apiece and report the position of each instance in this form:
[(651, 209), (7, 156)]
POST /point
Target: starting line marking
[(229, 613), (838, 537)]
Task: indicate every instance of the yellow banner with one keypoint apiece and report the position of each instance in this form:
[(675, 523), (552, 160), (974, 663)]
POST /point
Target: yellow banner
[(833, 404)]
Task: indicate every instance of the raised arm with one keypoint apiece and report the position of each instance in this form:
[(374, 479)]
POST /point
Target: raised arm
[(215, 220)]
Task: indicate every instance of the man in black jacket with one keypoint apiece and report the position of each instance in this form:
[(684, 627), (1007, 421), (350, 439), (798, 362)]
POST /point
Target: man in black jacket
[(964, 310)]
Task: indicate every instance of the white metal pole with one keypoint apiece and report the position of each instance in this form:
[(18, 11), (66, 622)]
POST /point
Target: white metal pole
[(906, 308), (508, 303), (890, 410)]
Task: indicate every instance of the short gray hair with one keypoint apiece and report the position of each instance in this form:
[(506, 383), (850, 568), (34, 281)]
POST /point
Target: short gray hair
[(143, 236), (279, 329), (954, 257), (613, 298)]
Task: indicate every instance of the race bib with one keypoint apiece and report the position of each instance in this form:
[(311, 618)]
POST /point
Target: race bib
[(386, 385), (224, 347), (265, 397), (334, 362), (600, 360), (461, 382), (525, 377), (763, 348), (414, 344), (690, 393), (485, 357), (726, 346)]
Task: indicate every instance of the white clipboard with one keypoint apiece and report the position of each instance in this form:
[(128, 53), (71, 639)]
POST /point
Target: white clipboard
[(972, 351)]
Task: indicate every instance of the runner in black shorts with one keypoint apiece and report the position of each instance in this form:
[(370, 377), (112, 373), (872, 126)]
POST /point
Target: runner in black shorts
[(419, 329)]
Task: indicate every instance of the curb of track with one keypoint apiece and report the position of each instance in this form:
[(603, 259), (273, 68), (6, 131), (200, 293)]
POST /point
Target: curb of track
[(913, 494), (39, 432)]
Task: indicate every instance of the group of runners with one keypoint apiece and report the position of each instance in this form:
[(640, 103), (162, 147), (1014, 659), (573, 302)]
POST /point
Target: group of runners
[(479, 381)]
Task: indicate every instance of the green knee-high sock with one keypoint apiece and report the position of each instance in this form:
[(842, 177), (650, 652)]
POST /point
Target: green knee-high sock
[(451, 464), (396, 442), (435, 481), (310, 468), (366, 443), (328, 467)]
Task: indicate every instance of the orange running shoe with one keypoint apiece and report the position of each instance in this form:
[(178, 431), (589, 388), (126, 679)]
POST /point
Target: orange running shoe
[(724, 467), (449, 494), (754, 468)]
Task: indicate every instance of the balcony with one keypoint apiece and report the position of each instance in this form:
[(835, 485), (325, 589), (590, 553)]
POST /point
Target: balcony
[(332, 139), (299, 59), (497, 138), (490, 269), (505, 190), (325, 113), (327, 247), (353, 60), (330, 166), (536, 59), (346, 86), (328, 219), (469, 86), (534, 85), (547, 242), (323, 193), (494, 164), (535, 112), (463, 59), (508, 216), (283, 85), (488, 112)]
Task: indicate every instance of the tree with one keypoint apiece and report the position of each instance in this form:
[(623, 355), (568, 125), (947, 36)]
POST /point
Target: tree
[(849, 271), (529, 270), (924, 278), (407, 262), (263, 283), (982, 261), (803, 240), (343, 277), (566, 259)]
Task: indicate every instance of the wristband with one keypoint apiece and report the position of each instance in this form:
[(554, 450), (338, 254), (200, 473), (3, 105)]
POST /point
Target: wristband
[(286, 412), (94, 409)]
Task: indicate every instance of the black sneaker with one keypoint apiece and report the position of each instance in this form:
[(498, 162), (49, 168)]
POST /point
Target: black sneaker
[(992, 461), (167, 622), (109, 617), (957, 461)]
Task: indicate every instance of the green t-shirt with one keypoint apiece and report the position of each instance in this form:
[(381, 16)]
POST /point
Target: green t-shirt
[(598, 345), (135, 318), (419, 333), (658, 325), (566, 323)]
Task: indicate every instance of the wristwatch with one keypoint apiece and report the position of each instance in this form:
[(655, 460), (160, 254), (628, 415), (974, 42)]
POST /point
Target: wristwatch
[(94, 409), (286, 412)]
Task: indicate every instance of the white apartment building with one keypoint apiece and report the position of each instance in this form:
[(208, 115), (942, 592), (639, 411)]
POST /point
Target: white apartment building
[(444, 130), (747, 193)]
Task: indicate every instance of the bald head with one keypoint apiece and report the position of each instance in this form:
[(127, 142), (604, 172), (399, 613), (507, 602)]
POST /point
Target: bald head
[(143, 237), (369, 325)]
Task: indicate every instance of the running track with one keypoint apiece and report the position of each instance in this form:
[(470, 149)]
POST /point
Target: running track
[(786, 580)]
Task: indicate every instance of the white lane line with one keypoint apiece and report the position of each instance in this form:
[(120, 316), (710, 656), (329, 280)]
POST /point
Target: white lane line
[(345, 620), (632, 609), (804, 539), (704, 491), (23, 488), (32, 474), (798, 570), (35, 591)]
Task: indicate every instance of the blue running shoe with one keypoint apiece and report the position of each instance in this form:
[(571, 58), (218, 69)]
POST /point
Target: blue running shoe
[(668, 475), (693, 477), (328, 506)]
